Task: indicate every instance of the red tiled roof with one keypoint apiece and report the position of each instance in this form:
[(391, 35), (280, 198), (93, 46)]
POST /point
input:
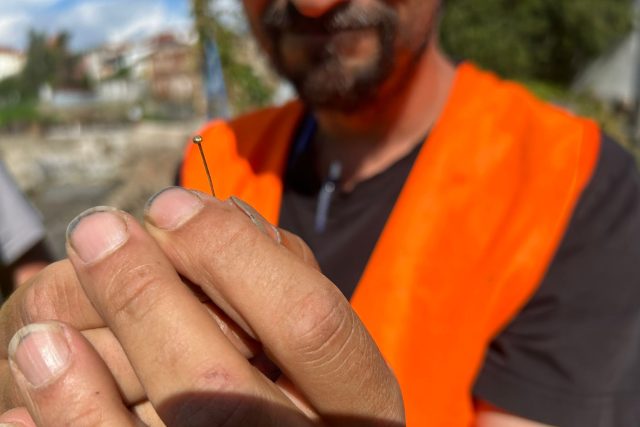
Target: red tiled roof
[(10, 51)]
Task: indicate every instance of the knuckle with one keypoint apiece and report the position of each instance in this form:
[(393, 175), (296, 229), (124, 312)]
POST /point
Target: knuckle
[(322, 323), (131, 293), (50, 297), (84, 412)]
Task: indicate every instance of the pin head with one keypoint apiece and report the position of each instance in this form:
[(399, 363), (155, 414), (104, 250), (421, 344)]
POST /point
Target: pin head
[(198, 141)]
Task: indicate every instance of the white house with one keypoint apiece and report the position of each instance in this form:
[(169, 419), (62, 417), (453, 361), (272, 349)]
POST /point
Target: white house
[(11, 62), (615, 76)]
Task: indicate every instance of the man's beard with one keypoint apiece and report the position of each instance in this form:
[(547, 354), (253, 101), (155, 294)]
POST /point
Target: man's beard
[(325, 81)]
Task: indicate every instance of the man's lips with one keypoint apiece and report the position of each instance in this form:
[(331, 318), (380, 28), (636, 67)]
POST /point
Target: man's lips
[(324, 37), (352, 46)]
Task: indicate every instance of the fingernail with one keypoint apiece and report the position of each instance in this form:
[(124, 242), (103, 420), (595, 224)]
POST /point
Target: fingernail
[(40, 351), (97, 232), (172, 207), (263, 225)]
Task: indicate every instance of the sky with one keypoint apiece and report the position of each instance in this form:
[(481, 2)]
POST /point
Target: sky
[(91, 22)]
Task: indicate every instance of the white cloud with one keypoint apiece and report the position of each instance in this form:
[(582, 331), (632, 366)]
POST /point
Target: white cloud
[(10, 26), (25, 5), (118, 20), (91, 22), (17, 16)]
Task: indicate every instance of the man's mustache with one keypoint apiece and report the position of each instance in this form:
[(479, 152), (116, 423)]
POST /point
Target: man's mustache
[(279, 18)]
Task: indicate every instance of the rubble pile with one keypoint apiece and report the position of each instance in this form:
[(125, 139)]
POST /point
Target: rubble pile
[(72, 169)]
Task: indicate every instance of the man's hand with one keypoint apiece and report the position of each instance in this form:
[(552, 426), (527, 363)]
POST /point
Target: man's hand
[(56, 294), (191, 372), (53, 294)]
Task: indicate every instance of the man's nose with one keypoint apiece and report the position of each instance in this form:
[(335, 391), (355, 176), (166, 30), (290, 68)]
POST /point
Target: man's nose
[(315, 8)]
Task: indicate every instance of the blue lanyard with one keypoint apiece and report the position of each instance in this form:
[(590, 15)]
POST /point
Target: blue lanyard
[(303, 139)]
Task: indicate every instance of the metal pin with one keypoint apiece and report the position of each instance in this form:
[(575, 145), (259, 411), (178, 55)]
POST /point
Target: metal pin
[(198, 141)]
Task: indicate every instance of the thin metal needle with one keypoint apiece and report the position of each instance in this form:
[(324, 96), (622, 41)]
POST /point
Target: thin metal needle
[(198, 141)]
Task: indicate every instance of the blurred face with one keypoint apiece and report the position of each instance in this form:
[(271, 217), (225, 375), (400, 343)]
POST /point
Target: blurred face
[(339, 53)]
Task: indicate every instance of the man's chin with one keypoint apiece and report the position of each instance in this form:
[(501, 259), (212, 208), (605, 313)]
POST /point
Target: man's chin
[(335, 89), (328, 101)]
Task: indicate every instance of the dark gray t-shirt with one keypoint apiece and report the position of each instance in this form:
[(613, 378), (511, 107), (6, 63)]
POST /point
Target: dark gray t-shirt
[(571, 357)]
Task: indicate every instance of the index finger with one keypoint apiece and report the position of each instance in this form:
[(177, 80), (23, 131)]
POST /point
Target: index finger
[(53, 294), (304, 322), (56, 294), (184, 361)]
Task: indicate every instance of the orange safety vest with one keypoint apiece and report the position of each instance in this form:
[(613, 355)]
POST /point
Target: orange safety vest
[(469, 240)]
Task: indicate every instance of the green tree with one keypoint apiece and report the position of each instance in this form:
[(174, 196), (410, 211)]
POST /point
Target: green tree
[(534, 39), (49, 60), (39, 67), (245, 88), (65, 62)]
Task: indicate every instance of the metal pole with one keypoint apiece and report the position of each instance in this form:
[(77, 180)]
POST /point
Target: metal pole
[(635, 119)]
